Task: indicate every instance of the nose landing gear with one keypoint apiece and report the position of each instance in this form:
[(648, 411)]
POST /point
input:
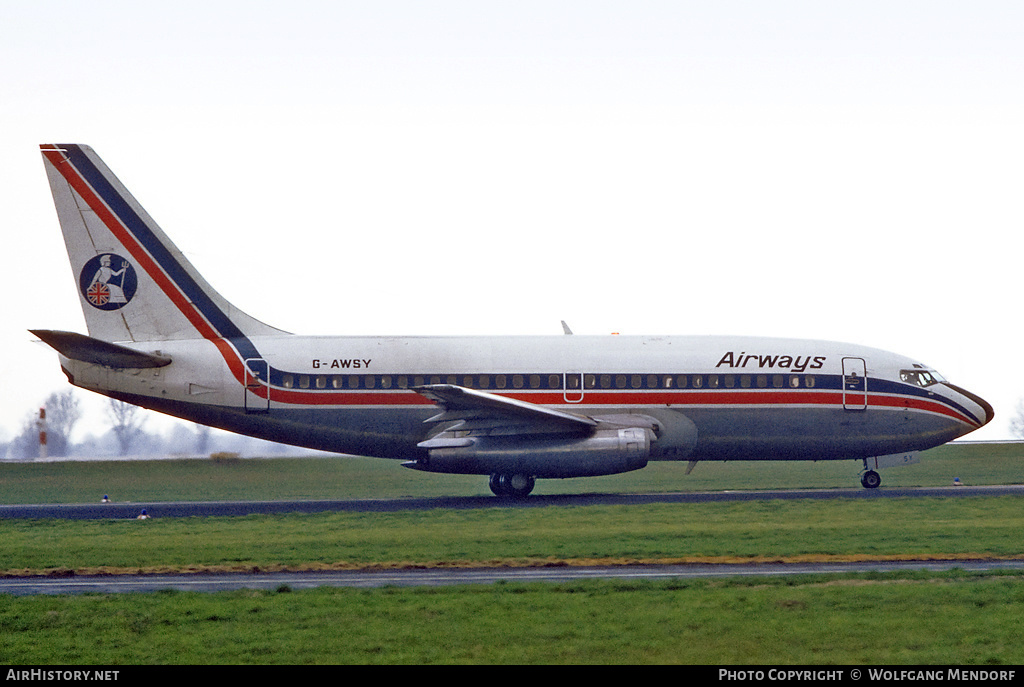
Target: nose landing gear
[(870, 480)]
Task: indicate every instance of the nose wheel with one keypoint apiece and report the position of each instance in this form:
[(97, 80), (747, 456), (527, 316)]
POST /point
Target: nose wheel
[(514, 486), (870, 480)]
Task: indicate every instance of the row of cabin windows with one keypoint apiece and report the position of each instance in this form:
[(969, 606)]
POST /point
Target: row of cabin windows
[(552, 381)]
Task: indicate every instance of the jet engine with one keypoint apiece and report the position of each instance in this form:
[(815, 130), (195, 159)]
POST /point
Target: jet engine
[(603, 452)]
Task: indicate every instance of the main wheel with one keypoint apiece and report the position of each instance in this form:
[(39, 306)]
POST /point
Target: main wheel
[(496, 486), (516, 486), (870, 479)]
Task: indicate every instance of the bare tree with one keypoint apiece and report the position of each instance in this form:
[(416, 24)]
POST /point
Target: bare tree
[(62, 414), (127, 421), (202, 438), (26, 444), (1017, 421)]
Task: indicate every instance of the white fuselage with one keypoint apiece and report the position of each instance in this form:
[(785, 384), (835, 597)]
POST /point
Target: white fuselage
[(715, 398)]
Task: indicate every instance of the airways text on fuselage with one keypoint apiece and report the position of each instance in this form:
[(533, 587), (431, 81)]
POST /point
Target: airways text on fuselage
[(797, 363)]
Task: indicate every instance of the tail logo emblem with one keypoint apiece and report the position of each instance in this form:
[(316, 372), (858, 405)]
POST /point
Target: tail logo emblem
[(108, 282)]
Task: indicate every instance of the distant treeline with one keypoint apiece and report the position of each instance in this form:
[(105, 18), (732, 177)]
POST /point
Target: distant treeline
[(127, 435)]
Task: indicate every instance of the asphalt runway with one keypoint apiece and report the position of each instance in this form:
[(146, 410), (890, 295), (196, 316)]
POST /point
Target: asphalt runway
[(439, 577), (182, 509)]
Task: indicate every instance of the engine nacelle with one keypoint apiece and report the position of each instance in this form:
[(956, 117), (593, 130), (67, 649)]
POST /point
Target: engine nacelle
[(605, 452)]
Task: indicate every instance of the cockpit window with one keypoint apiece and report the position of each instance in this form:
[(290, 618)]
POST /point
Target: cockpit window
[(921, 377)]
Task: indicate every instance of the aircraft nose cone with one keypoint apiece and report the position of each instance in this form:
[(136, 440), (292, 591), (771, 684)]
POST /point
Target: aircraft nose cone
[(986, 407)]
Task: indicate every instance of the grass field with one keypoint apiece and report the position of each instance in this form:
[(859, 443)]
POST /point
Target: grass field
[(910, 620), (737, 531), (952, 618), (744, 531)]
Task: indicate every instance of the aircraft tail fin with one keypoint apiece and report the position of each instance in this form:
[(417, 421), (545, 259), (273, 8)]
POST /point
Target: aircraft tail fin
[(133, 282)]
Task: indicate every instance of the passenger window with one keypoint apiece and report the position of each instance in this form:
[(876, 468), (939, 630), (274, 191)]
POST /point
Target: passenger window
[(620, 381), (606, 381), (712, 381), (321, 382), (287, 381), (697, 381), (499, 382), (590, 381), (517, 381), (303, 381), (534, 381), (635, 381), (652, 381), (809, 381), (762, 381), (681, 381)]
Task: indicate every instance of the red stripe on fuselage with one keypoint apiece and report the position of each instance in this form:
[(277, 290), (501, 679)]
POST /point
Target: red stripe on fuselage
[(633, 399)]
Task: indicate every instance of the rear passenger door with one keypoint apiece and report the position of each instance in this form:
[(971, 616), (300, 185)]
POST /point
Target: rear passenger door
[(257, 386)]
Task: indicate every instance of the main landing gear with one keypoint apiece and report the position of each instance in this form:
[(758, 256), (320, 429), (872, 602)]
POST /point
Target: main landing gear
[(514, 486)]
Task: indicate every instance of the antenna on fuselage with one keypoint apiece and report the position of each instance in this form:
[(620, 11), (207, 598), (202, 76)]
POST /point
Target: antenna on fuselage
[(565, 328)]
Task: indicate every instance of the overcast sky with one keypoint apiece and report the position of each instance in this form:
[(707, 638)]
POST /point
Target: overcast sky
[(843, 171)]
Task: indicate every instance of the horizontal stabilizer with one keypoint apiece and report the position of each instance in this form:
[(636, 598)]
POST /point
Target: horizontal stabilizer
[(90, 350)]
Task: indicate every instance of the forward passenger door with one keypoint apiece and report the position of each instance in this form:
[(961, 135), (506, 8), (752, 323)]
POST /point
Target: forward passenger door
[(855, 384)]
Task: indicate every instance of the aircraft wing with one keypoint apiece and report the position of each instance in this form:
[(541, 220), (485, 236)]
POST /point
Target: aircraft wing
[(484, 413)]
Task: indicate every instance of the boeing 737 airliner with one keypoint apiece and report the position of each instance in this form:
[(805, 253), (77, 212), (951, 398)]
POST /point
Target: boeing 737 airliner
[(513, 408)]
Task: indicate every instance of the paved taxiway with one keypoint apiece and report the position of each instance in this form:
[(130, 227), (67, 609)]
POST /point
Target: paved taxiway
[(299, 580), (111, 584)]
